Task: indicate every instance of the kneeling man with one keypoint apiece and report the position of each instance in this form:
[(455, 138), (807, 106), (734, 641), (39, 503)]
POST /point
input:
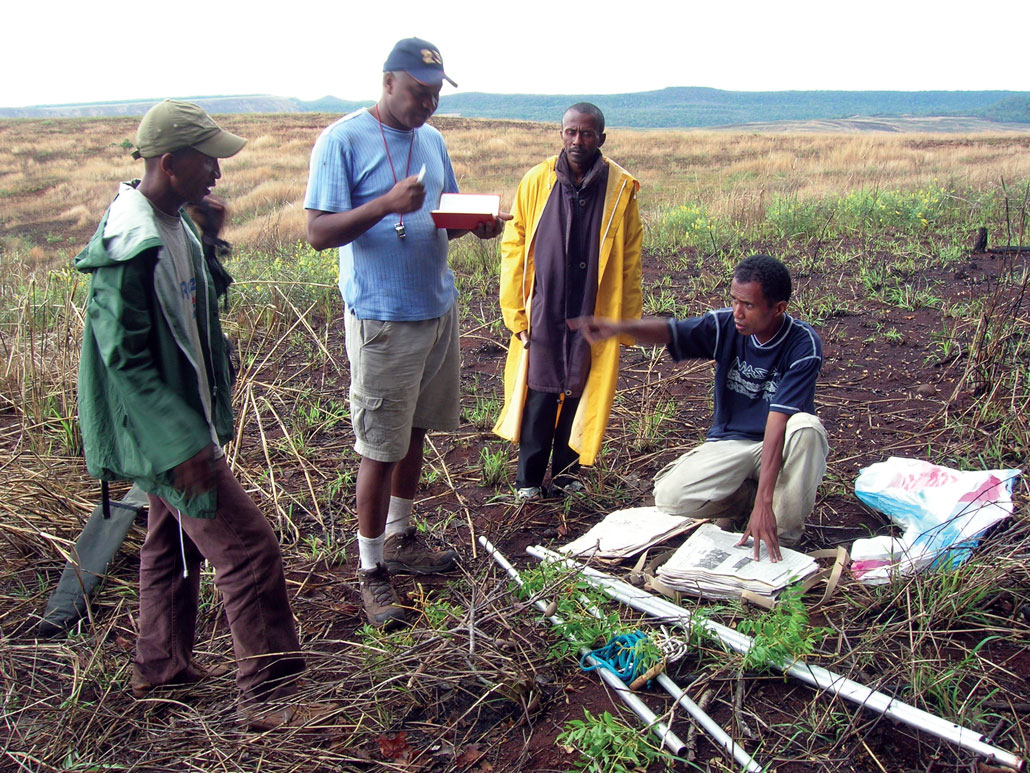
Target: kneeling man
[(765, 440)]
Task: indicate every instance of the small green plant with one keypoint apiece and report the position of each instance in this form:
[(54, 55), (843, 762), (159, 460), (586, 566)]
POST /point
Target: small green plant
[(817, 307), (660, 299), (653, 425), (887, 333), (484, 411), (68, 432), (947, 346), (952, 253), (492, 465), (579, 605), (950, 687), (440, 613), (873, 277), (430, 474), (324, 547), (908, 297), (342, 485), (319, 414), (476, 264), (606, 745), (660, 302), (380, 646), (438, 524), (893, 336), (781, 634)]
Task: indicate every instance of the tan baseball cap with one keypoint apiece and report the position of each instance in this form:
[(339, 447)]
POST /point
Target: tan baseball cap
[(173, 125)]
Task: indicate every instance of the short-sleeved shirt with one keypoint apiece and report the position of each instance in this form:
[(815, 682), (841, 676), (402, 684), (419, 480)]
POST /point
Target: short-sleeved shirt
[(382, 276), (751, 378)]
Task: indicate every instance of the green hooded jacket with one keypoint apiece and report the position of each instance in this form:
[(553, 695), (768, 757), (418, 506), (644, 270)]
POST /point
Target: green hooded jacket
[(139, 399)]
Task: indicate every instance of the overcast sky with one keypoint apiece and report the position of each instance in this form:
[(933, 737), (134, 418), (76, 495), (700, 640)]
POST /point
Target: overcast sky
[(97, 50)]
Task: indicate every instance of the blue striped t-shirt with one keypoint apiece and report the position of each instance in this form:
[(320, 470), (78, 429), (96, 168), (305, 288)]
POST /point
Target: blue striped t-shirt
[(751, 378), (382, 276)]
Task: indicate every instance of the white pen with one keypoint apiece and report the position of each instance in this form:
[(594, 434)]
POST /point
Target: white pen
[(421, 174)]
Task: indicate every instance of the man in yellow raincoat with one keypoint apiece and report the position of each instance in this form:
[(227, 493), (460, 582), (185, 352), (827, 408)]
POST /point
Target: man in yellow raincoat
[(571, 249)]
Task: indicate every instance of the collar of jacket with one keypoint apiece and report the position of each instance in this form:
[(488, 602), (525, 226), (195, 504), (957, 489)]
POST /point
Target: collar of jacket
[(622, 186)]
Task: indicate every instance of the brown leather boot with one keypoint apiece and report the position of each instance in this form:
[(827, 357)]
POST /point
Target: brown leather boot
[(405, 553), (379, 599)]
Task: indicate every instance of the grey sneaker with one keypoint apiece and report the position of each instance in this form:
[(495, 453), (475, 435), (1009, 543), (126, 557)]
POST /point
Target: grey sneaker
[(529, 494), (568, 488), (405, 553), (379, 599)]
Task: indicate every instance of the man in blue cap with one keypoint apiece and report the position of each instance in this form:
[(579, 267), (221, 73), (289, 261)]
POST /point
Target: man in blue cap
[(375, 176)]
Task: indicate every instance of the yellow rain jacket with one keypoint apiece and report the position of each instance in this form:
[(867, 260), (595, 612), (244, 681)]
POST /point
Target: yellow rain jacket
[(618, 297)]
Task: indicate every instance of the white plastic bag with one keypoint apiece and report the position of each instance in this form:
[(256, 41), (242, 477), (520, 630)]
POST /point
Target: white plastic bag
[(941, 510)]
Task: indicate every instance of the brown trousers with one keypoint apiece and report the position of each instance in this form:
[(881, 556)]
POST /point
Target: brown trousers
[(244, 551)]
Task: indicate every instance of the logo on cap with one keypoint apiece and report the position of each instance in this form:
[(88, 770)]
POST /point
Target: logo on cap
[(429, 56)]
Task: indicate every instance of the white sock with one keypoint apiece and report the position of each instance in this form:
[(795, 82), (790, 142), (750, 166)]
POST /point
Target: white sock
[(398, 518), (370, 551)]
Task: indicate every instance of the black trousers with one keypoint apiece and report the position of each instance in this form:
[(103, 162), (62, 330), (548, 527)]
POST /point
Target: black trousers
[(544, 428)]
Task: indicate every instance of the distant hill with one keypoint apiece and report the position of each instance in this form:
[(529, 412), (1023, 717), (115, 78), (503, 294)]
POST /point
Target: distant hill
[(889, 124), (683, 107), (679, 107), (247, 103)]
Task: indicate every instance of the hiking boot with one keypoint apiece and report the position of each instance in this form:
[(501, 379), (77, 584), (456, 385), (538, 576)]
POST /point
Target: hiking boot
[(405, 553), (194, 673), (379, 599), (261, 719), (528, 494)]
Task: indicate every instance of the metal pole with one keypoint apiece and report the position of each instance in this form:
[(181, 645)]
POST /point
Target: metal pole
[(719, 735), (817, 676), (668, 738)]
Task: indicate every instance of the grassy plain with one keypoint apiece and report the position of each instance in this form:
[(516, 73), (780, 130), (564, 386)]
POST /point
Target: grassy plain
[(57, 176), (927, 356)]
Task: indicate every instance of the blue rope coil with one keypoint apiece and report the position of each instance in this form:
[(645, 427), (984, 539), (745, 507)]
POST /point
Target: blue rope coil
[(620, 655)]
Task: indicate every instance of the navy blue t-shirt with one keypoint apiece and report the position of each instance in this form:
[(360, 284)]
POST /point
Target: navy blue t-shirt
[(751, 379)]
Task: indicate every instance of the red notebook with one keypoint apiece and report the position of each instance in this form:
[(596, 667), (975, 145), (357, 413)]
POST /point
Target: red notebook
[(464, 211)]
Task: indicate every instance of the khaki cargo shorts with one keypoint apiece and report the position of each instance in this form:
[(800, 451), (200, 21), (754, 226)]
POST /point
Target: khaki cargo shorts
[(403, 375)]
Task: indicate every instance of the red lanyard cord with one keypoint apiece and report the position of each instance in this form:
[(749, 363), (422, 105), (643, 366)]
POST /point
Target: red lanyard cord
[(407, 167)]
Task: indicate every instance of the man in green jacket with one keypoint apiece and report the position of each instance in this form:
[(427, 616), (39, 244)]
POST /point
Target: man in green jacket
[(155, 386)]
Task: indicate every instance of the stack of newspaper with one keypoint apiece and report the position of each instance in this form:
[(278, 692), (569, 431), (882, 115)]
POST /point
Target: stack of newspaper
[(709, 564), (627, 532)]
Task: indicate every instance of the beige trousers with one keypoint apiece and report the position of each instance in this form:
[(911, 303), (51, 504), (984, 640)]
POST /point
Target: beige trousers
[(719, 478)]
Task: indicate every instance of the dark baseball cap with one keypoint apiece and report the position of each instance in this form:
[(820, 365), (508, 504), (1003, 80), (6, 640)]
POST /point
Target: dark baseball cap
[(420, 59), (173, 125)]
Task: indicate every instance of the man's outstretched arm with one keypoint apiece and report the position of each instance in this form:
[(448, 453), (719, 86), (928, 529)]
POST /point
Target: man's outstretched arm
[(761, 526), (651, 330)]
